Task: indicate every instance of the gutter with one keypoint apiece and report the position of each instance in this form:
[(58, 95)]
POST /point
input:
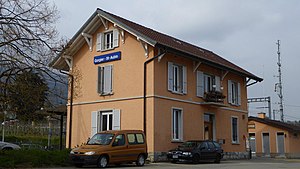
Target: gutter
[(71, 105), (145, 90)]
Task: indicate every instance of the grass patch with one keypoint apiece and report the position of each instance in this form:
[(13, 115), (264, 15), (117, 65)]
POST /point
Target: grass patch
[(34, 158)]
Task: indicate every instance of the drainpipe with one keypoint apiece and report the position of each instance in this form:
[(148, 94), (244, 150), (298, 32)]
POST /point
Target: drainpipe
[(145, 89), (71, 105)]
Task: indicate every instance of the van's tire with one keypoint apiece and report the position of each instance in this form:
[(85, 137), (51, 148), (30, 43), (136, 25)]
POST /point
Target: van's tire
[(140, 160), (102, 162)]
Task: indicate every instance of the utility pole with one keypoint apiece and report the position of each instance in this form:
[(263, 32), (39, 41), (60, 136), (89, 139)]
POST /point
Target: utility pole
[(278, 86)]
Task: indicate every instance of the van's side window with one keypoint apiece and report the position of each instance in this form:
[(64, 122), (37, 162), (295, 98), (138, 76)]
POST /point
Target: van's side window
[(135, 138), (119, 140), (140, 138), (131, 138)]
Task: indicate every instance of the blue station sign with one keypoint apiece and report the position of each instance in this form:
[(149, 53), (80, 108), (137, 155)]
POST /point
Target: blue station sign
[(107, 57)]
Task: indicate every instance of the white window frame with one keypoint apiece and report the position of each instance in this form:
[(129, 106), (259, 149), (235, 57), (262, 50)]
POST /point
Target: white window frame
[(177, 135), (109, 115), (107, 40), (233, 141), (105, 80), (96, 120), (234, 93), (177, 78)]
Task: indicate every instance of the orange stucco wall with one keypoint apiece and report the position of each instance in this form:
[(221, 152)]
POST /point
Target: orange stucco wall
[(128, 92), (127, 83)]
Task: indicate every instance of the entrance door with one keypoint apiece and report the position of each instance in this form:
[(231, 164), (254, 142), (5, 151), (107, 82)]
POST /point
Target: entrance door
[(280, 143), (252, 143), (208, 127), (266, 144)]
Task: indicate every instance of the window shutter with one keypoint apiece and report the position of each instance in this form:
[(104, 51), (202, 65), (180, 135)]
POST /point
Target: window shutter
[(99, 82), (184, 80), (200, 82), (239, 94), (115, 38), (229, 91), (218, 83), (170, 76), (99, 42), (116, 119), (94, 122), (107, 79)]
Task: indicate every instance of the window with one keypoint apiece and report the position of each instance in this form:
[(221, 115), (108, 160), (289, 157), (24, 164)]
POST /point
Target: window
[(105, 80), (105, 120), (107, 40), (177, 76), (234, 93), (234, 128), (140, 138), (210, 145), (177, 126), (119, 140), (204, 146), (207, 83), (135, 138), (131, 138)]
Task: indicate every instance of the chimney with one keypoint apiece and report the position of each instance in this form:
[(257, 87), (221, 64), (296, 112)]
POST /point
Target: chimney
[(262, 115)]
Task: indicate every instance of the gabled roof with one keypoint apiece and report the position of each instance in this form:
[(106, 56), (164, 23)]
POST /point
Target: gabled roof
[(277, 124), (153, 38)]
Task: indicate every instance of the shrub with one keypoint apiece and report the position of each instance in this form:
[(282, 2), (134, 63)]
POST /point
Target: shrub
[(33, 158)]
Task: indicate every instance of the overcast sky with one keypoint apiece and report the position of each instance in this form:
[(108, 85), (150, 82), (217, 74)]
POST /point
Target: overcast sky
[(243, 32)]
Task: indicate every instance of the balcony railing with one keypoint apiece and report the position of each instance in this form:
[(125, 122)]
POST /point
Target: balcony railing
[(214, 96)]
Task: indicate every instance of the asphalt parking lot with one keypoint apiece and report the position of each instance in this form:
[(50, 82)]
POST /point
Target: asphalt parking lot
[(256, 163)]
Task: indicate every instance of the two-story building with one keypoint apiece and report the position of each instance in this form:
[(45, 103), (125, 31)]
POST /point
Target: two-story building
[(127, 76)]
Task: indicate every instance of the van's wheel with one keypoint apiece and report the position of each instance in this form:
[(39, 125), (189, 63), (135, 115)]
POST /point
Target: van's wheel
[(140, 160), (102, 162)]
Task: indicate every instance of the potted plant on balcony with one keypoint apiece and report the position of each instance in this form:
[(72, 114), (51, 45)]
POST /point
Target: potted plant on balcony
[(214, 96)]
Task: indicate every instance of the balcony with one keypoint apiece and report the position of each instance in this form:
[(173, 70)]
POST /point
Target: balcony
[(214, 98)]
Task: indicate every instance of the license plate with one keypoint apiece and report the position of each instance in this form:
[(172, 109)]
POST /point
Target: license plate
[(175, 156)]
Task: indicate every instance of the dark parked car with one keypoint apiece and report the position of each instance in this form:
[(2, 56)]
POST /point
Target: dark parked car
[(196, 151)]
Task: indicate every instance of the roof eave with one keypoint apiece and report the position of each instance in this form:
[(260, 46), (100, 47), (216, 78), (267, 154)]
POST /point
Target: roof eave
[(214, 64), (127, 28)]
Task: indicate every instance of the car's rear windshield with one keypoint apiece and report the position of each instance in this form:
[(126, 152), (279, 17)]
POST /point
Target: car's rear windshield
[(101, 139)]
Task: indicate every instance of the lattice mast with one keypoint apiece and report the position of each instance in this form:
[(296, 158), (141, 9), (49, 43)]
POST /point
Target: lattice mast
[(278, 86)]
